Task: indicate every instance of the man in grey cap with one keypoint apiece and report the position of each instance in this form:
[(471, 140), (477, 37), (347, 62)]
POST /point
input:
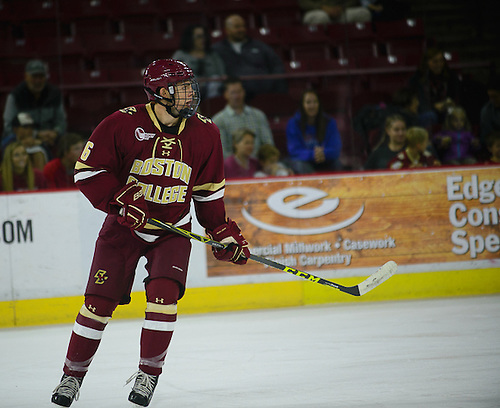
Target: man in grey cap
[(42, 101)]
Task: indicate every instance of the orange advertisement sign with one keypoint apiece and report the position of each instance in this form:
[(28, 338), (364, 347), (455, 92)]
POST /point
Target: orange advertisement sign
[(365, 219)]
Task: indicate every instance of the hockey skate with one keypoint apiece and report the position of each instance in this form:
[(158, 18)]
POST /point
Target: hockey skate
[(143, 388), (67, 390)]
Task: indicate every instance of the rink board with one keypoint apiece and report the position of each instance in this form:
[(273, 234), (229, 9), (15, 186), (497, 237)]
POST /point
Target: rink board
[(266, 295), (441, 227)]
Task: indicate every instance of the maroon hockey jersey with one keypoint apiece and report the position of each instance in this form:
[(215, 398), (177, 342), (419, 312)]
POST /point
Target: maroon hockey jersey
[(402, 161), (172, 169)]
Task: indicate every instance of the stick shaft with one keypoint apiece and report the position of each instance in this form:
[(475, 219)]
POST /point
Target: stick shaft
[(369, 283)]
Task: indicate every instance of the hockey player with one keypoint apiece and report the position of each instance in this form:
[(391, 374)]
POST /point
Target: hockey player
[(148, 160)]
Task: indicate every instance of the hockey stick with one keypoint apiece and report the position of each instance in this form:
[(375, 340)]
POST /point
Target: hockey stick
[(382, 274)]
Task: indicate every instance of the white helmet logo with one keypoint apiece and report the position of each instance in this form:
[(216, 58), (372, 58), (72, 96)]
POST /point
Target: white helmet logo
[(141, 135)]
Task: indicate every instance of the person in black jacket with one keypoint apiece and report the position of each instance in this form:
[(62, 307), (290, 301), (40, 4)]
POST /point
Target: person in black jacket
[(243, 56), (42, 101)]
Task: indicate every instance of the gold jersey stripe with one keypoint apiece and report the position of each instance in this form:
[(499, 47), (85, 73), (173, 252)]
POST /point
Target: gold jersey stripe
[(210, 186), (80, 166)]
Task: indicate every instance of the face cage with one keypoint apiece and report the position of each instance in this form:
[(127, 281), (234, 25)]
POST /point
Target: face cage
[(185, 112), (190, 110)]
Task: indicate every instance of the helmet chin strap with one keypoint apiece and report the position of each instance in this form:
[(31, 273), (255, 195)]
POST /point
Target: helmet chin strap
[(168, 108), (159, 98)]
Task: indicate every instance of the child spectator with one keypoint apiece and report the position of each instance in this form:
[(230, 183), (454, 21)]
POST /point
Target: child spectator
[(268, 156), (22, 127), (415, 155), (455, 143), (493, 145), (59, 172), (313, 138), (392, 142), (241, 164), (17, 172)]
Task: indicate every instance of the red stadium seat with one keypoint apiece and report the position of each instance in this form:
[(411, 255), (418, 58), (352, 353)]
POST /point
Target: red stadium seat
[(350, 32), (121, 8), (70, 10), (407, 28), (132, 95), (209, 107), (125, 75), (33, 10), (80, 77), (193, 7), (281, 17), (275, 104), (262, 5), (217, 6), (301, 34), (41, 28)]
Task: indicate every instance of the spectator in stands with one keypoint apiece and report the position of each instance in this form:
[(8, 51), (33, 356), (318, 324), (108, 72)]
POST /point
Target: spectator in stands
[(416, 154), (237, 115), (59, 171), (456, 144), (243, 56), (490, 112), (405, 103), (241, 164), (42, 101), (393, 141), (313, 138), (17, 173), (437, 86), (334, 11), (196, 51), (22, 126), (269, 160), (493, 145)]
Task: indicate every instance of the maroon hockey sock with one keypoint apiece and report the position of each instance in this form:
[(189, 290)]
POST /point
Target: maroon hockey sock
[(158, 327), (87, 334)]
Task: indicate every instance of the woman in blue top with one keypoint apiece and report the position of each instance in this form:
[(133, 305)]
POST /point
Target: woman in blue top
[(313, 139)]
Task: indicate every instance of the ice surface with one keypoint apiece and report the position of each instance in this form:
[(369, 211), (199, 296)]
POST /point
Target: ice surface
[(442, 353)]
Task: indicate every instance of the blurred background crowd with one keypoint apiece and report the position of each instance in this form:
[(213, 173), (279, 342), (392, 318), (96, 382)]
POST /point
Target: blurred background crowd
[(295, 86)]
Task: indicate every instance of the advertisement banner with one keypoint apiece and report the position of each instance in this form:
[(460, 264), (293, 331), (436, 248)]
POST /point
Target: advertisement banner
[(363, 220)]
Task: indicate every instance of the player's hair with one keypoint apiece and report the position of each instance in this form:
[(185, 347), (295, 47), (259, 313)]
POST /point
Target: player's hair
[(231, 80), (187, 40), (8, 169), (239, 134), (267, 151), (455, 112), (321, 119), (423, 68), (416, 135)]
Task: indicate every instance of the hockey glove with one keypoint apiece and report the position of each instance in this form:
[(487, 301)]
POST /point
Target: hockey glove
[(236, 250), (134, 211)]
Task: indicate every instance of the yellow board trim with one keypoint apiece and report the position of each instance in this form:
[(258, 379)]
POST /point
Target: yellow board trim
[(265, 295)]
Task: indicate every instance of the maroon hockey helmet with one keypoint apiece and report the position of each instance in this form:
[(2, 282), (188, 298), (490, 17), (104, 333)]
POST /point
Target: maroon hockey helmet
[(166, 73)]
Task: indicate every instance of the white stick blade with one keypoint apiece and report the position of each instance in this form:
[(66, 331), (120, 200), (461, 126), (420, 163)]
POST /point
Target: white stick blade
[(383, 273)]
